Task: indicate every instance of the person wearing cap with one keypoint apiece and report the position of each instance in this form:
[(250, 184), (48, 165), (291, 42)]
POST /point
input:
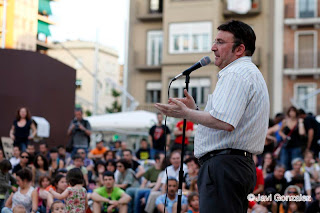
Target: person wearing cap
[(233, 125), (172, 197)]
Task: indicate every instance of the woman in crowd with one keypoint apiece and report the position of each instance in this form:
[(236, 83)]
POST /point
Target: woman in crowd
[(44, 182), (292, 206), (126, 176), (296, 171), (59, 185), (41, 168), (109, 155), (99, 169), (21, 127), (268, 164), (25, 195), (293, 133), (111, 166)]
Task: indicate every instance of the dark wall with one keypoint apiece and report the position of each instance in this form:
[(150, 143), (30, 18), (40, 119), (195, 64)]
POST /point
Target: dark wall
[(40, 83)]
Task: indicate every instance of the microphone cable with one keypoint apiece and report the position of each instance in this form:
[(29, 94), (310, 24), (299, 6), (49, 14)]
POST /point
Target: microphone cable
[(165, 151)]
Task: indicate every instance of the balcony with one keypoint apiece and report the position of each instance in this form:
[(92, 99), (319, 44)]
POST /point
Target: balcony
[(304, 65), (295, 15), (140, 63), (149, 11), (255, 9)]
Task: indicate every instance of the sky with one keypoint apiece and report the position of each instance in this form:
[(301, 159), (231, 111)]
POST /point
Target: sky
[(82, 19)]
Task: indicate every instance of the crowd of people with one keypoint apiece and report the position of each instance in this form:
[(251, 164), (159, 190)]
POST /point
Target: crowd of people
[(113, 178)]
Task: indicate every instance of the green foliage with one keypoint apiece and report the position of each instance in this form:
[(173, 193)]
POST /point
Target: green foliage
[(116, 107)]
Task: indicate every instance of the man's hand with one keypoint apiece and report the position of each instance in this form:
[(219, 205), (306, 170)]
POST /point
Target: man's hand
[(114, 203), (188, 100), (175, 108), (82, 127)]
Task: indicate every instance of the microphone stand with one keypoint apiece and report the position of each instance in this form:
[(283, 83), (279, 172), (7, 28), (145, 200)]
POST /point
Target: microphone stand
[(182, 153)]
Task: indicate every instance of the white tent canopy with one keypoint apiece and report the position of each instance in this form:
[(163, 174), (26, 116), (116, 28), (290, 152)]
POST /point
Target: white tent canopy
[(129, 123), (43, 126)]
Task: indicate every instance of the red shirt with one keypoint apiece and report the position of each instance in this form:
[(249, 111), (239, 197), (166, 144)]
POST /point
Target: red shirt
[(260, 180), (179, 125)]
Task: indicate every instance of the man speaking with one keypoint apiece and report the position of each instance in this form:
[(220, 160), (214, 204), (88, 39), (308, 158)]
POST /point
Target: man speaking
[(233, 125)]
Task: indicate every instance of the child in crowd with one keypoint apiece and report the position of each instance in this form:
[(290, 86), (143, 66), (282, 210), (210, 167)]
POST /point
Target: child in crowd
[(76, 195), (58, 207), (44, 182), (193, 201)]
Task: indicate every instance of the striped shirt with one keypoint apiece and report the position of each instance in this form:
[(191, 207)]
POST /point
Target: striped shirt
[(240, 99)]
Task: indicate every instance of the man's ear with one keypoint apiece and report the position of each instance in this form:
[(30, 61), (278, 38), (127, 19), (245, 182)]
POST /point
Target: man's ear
[(240, 50)]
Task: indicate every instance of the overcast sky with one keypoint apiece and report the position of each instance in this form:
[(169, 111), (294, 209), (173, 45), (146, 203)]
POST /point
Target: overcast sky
[(80, 19)]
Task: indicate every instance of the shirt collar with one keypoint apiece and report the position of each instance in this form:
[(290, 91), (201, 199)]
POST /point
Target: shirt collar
[(224, 70)]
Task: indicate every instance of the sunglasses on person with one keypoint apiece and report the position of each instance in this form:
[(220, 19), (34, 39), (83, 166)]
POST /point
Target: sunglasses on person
[(23, 156), (292, 192)]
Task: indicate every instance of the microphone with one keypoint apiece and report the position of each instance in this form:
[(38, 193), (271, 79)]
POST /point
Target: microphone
[(203, 62)]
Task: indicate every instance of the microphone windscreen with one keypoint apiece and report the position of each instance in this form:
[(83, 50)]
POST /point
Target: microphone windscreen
[(205, 61)]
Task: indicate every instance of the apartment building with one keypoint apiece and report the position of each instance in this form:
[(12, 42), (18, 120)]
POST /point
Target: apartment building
[(301, 67), (166, 37), (98, 72), (18, 24)]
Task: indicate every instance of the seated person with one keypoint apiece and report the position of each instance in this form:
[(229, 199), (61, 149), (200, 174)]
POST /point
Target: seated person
[(143, 152), (97, 153), (134, 165), (126, 176), (172, 197), (109, 197), (78, 163)]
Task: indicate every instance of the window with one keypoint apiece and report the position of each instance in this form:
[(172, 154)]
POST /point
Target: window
[(306, 49), (153, 90), (307, 8), (155, 6), (190, 37), (78, 83), (199, 88), (154, 56), (304, 97)]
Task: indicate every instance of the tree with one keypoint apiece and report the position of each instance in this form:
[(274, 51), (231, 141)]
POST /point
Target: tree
[(116, 107)]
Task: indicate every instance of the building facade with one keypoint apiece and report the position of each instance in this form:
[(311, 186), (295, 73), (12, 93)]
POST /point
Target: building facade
[(98, 72), (301, 68), (20, 28), (167, 37)]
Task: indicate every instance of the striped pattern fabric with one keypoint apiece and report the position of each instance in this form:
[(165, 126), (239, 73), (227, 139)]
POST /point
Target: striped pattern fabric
[(240, 99)]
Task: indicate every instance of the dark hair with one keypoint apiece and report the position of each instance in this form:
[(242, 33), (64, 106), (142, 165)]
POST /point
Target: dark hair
[(28, 116), (191, 195), (5, 165), (143, 139), (270, 169), (108, 174), (113, 162), (106, 153), (243, 34), (100, 162), (61, 146), (24, 152), (294, 109), (17, 147), (317, 186), (124, 163), (45, 162), (280, 165), (55, 202), (57, 179), (78, 109), (77, 156), (157, 157), (194, 159), (127, 150), (301, 112), (25, 174), (42, 178), (53, 150), (43, 143), (75, 176)]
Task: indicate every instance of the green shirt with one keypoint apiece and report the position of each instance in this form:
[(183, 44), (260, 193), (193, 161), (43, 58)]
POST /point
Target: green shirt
[(152, 174), (114, 195)]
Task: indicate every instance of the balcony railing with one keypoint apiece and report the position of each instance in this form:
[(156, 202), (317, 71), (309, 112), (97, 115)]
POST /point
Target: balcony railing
[(304, 64), (255, 9), (294, 10)]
